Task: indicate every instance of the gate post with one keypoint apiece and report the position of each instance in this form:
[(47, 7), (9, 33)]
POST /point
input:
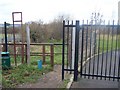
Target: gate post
[(76, 50), (63, 47)]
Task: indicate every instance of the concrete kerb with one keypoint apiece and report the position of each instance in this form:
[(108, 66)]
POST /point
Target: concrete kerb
[(72, 75), (71, 81)]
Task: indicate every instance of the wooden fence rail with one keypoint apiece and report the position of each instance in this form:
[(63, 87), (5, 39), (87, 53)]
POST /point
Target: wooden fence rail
[(43, 53)]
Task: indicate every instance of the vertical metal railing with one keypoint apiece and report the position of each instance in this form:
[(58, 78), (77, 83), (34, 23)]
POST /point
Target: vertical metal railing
[(98, 50), (111, 53), (68, 44), (103, 36), (71, 32), (82, 43), (118, 42), (106, 66), (101, 42), (76, 50), (67, 65), (89, 70), (86, 47), (63, 50)]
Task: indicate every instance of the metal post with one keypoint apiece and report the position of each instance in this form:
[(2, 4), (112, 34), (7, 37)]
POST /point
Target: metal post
[(22, 47), (68, 46), (26, 53), (14, 39), (22, 38), (76, 51), (71, 31), (43, 54), (63, 50), (5, 28), (52, 55), (82, 43)]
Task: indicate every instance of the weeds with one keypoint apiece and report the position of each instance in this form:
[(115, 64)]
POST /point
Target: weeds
[(22, 74)]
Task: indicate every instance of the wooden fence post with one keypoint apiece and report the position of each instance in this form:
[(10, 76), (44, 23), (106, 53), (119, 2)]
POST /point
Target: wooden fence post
[(28, 43)]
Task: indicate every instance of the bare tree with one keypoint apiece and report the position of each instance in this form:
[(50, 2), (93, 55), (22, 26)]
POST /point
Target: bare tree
[(55, 27), (37, 31), (96, 19), (40, 32)]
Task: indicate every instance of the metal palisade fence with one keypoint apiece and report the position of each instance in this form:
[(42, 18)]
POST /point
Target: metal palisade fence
[(92, 50)]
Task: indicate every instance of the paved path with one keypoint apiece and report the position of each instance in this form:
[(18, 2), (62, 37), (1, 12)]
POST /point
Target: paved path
[(104, 64), (93, 83), (110, 66)]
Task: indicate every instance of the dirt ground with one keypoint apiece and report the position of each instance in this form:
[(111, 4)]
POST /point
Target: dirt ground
[(52, 79)]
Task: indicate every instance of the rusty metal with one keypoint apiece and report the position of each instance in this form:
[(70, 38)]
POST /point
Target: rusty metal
[(43, 50), (25, 53), (22, 46), (52, 55), (14, 39)]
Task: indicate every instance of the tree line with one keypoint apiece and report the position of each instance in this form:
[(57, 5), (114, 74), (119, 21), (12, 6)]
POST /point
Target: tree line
[(41, 32), (44, 32)]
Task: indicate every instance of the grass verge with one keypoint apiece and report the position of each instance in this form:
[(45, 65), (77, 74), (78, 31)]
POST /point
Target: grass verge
[(22, 74), (105, 44)]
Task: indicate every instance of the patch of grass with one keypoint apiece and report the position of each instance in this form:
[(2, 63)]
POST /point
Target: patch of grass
[(108, 43), (22, 74), (63, 85), (55, 41), (58, 59), (29, 74), (119, 41), (18, 59), (65, 82)]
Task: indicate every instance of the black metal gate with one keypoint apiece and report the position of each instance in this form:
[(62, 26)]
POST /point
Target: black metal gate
[(100, 54), (70, 48), (91, 50)]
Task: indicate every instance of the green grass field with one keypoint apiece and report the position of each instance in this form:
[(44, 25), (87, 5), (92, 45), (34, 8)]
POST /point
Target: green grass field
[(105, 44)]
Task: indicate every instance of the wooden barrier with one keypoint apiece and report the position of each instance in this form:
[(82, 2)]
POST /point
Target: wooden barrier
[(43, 53)]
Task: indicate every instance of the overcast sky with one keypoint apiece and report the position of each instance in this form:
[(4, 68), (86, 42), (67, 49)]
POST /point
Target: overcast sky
[(47, 10)]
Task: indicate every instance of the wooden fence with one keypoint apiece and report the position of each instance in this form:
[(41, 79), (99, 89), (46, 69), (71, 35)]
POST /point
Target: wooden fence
[(43, 52)]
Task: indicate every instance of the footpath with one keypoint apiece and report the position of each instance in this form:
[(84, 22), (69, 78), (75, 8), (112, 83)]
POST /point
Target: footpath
[(94, 83), (49, 80)]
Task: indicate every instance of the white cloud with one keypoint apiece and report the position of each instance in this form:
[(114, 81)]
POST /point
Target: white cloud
[(48, 9)]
